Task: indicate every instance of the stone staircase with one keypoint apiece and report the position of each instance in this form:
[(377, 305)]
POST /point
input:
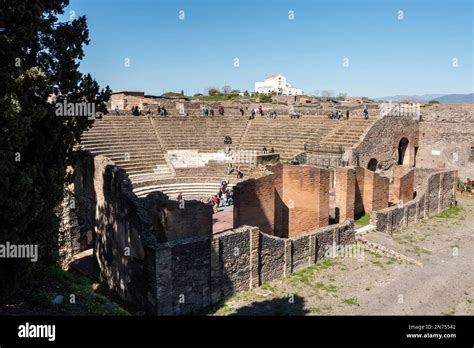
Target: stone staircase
[(287, 136), (347, 132)]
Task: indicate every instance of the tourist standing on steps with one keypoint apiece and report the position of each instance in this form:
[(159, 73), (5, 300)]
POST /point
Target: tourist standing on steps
[(159, 110), (260, 110), (366, 113), (229, 168), (241, 111), (347, 114), (117, 111), (240, 175)]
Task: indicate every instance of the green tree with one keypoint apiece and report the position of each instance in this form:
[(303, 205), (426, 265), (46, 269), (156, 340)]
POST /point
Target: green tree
[(213, 92), (39, 57)]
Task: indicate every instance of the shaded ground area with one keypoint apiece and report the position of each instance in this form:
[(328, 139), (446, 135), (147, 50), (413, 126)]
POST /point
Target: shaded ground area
[(371, 284), (57, 292)]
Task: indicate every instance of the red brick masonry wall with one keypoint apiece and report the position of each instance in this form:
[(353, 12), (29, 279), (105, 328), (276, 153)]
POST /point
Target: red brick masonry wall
[(286, 203)]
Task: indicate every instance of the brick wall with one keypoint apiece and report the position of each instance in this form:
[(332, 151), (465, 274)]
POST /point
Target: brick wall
[(286, 203), (359, 192), (403, 184), (254, 202), (345, 193), (376, 189)]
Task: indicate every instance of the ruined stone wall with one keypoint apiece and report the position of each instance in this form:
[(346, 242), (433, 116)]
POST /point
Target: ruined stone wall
[(194, 273), (121, 234), (140, 262), (382, 139), (447, 139), (128, 228), (77, 211), (437, 194)]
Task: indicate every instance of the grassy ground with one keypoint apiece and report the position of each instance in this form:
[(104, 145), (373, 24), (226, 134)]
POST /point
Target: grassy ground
[(362, 221), (74, 294)]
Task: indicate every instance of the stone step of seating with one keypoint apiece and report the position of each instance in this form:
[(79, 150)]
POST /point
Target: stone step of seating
[(147, 177), (101, 136), (181, 180), (199, 188), (117, 148), (122, 154)]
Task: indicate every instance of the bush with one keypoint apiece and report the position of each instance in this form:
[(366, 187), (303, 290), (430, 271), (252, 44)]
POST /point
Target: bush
[(171, 94), (213, 92)]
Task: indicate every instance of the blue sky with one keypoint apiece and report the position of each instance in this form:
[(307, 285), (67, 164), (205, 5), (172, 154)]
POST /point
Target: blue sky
[(386, 56)]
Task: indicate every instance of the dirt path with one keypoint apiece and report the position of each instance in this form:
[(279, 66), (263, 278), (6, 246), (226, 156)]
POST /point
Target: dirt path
[(375, 285)]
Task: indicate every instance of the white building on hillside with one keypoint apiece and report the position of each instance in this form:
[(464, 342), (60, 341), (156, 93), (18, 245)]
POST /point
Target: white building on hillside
[(277, 83)]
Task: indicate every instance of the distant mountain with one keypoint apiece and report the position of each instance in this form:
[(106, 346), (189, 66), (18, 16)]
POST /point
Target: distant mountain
[(456, 98), (424, 97), (442, 98)]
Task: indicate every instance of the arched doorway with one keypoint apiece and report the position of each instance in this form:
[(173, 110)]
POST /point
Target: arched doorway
[(372, 165), (402, 149)]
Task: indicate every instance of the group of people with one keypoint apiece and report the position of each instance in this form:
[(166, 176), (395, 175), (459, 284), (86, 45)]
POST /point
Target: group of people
[(223, 198), (338, 115), (265, 150), (294, 115), (135, 111), (230, 169)]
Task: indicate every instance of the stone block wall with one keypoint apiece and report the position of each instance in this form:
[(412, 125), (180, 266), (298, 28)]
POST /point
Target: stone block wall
[(129, 228), (447, 138), (436, 195), (381, 141), (194, 273), (77, 210)]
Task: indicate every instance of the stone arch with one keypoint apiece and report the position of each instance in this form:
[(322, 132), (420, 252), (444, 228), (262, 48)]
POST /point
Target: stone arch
[(403, 152), (372, 165)]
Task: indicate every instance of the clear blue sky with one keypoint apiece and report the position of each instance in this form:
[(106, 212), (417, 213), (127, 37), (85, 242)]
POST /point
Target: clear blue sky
[(386, 56)]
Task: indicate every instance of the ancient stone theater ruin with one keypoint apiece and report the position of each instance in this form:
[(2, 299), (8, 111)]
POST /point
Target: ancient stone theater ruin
[(306, 177)]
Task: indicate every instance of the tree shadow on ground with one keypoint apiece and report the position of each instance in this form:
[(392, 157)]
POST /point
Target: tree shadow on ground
[(291, 305)]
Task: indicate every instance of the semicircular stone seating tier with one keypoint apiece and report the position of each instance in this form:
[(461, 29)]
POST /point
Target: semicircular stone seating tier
[(188, 155)]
